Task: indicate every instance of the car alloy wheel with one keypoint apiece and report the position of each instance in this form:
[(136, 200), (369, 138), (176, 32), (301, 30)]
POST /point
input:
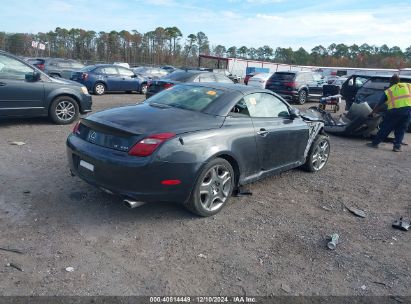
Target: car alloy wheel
[(143, 89), (65, 110), (302, 97), (99, 89), (215, 188), (321, 154)]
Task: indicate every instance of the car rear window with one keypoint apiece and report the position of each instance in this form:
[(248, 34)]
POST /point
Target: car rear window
[(180, 76), (283, 76), (186, 97)]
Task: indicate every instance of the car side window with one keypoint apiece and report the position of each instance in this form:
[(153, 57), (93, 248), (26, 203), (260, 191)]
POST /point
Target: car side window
[(125, 72), (265, 105), (240, 109), (11, 68), (109, 71)]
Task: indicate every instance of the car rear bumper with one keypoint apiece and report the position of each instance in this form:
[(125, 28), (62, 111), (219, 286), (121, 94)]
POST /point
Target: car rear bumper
[(138, 178)]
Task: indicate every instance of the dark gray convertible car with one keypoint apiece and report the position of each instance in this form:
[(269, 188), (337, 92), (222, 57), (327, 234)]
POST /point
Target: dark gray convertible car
[(194, 144)]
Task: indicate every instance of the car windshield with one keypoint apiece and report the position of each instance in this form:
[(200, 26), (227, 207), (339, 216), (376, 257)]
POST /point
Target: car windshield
[(180, 76), (283, 76), (186, 97)]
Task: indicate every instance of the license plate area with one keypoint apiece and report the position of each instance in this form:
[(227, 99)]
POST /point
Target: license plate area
[(86, 165)]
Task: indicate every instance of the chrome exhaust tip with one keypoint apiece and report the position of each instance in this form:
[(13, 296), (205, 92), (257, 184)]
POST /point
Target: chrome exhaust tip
[(132, 204)]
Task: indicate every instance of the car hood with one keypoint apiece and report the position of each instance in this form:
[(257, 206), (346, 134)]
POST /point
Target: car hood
[(148, 119)]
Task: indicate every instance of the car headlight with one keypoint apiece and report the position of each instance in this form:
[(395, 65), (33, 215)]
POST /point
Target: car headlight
[(84, 90)]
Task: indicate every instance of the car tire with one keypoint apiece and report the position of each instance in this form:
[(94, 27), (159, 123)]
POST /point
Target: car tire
[(213, 188), (99, 88), (143, 89), (302, 97), (64, 110), (318, 155)]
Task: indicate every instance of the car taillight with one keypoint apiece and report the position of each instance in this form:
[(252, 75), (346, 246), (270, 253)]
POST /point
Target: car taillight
[(290, 84), (149, 144), (167, 85), (84, 76), (76, 128)]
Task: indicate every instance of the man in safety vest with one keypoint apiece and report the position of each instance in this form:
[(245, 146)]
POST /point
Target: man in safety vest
[(398, 100)]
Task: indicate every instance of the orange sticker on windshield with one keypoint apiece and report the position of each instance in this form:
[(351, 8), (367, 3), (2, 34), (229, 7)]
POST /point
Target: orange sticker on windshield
[(212, 93)]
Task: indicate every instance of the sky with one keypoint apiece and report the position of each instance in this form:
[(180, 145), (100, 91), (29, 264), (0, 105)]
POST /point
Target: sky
[(253, 23)]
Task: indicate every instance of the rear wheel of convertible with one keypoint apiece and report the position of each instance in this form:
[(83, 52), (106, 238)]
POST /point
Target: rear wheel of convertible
[(213, 188), (318, 155)]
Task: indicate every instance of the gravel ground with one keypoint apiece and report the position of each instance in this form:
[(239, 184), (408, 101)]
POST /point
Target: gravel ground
[(271, 243)]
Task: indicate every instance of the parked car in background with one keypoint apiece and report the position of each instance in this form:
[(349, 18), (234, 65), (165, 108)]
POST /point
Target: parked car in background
[(169, 68), (259, 80), (26, 91), (194, 144), (297, 86), (57, 67), (234, 78), (102, 78), (369, 89), (179, 76), (150, 72), (37, 62)]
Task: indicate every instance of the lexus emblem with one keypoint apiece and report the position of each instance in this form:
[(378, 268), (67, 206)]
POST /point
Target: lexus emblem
[(92, 136)]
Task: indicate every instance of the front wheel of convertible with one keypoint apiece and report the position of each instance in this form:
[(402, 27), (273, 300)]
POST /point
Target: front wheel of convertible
[(318, 155), (213, 188)]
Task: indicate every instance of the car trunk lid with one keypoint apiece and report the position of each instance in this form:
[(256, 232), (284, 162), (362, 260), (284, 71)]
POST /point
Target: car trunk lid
[(122, 127)]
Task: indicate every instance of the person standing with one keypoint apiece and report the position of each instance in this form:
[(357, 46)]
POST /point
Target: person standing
[(398, 100)]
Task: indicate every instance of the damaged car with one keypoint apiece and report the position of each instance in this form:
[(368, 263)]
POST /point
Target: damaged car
[(196, 144), (362, 93)]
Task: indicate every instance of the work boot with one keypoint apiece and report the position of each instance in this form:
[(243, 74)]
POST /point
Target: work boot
[(396, 149), (371, 145)]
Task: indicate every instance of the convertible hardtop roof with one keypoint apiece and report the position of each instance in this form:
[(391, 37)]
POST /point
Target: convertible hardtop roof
[(228, 87)]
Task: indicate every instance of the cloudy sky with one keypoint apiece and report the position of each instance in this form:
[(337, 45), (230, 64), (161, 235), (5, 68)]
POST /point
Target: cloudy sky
[(252, 23)]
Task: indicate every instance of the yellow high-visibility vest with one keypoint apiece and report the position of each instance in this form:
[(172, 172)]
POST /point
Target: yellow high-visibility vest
[(398, 96)]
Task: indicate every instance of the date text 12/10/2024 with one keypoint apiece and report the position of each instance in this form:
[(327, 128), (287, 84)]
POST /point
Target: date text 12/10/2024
[(203, 299)]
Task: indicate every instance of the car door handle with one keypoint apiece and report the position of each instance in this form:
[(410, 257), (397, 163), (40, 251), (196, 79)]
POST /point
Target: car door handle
[(263, 132), (2, 84)]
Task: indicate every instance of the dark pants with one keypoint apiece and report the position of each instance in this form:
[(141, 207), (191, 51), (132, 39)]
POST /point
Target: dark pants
[(393, 122)]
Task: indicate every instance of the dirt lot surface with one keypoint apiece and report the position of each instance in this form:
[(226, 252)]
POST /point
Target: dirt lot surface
[(271, 243)]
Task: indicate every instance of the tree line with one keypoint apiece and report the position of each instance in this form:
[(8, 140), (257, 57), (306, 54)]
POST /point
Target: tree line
[(169, 46)]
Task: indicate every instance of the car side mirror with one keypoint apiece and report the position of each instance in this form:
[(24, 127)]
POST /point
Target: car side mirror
[(32, 77), (294, 113)]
